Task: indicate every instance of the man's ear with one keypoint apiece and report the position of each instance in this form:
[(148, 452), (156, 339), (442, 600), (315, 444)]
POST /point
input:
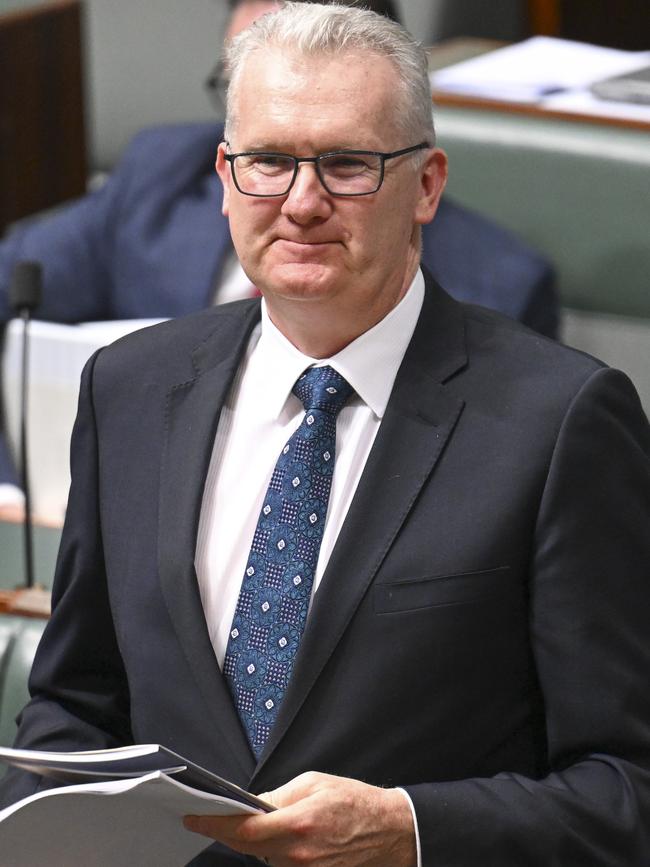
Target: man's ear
[(223, 170), (433, 177)]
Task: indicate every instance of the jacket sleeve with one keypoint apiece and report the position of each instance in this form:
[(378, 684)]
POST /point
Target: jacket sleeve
[(78, 685), (589, 601)]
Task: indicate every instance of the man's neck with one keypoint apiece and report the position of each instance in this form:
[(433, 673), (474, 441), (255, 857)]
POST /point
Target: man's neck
[(322, 327)]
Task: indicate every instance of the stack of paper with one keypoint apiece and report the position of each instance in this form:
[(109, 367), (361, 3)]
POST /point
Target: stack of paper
[(542, 70), (127, 808), (110, 824)]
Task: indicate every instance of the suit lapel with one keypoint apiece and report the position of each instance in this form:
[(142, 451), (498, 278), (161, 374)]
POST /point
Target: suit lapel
[(419, 419), (191, 418)]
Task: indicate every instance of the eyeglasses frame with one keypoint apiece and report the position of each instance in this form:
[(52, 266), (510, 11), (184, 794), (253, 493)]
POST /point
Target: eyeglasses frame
[(316, 161)]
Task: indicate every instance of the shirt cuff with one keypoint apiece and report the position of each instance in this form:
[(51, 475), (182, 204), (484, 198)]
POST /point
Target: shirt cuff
[(415, 826)]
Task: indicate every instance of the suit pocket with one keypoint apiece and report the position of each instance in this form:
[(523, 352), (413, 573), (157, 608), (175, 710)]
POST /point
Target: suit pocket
[(436, 590)]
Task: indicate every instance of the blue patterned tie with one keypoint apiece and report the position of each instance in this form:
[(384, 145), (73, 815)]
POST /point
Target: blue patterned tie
[(273, 601)]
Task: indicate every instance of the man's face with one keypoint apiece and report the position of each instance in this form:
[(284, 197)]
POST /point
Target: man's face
[(359, 253)]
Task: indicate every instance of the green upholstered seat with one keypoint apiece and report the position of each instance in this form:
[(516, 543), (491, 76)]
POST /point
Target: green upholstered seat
[(580, 193), (19, 637), (46, 544)]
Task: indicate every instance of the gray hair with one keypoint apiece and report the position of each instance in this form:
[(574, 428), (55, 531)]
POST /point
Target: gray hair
[(316, 29)]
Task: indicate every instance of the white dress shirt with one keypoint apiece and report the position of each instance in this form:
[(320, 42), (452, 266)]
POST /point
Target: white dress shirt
[(258, 417)]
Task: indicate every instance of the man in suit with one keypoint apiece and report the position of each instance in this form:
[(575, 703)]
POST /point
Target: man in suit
[(153, 243), (465, 681)]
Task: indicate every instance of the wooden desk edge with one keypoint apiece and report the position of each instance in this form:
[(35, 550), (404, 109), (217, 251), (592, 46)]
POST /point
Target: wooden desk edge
[(35, 602), (450, 100)]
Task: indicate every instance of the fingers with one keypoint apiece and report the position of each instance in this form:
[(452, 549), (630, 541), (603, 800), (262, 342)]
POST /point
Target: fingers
[(297, 789), (246, 835), (231, 830), (324, 820)]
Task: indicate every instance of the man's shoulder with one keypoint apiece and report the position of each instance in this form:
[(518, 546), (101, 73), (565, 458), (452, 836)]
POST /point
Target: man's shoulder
[(516, 341), (497, 355), (175, 342), (513, 360)]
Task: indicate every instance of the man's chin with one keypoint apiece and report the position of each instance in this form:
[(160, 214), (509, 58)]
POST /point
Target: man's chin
[(302, 280)]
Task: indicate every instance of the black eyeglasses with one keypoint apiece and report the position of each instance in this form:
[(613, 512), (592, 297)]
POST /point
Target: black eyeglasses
[(342, 173)]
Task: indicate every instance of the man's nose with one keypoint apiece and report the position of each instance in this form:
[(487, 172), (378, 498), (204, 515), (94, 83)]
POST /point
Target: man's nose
[(307, 199)]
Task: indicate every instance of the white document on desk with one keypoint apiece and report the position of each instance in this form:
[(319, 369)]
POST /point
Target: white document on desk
[(56, 358), (584, 102), (534, 69), (109, 824)]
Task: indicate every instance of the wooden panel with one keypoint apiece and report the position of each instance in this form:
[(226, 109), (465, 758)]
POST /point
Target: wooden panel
[(544, 17), (454, 100), (26, 603), (615, 23), (42, 135)]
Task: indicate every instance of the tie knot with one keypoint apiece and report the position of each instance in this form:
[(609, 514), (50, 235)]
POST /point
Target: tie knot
[(322, 388)]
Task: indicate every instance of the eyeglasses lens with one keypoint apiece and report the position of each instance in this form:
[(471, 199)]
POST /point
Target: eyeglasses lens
[(341, 173)]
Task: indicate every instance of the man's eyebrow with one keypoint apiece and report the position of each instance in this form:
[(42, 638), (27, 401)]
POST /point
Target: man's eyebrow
[(291, 151), (260, 148)]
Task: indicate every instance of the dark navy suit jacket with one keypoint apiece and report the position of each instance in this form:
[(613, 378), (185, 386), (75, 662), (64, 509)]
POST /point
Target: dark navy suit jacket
[(480, 635), (153, 240)]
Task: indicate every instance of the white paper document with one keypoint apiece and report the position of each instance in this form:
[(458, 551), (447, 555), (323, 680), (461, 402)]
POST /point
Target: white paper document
[(134, 760), (57, 355), (109, 824), (126, 808), (534, 69), (584, 102)]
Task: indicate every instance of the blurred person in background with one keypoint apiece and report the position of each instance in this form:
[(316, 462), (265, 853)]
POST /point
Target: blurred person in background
[(152, 242)]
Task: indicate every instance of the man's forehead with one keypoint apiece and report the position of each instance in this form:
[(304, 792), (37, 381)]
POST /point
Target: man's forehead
[(286, 66), (344, 100)]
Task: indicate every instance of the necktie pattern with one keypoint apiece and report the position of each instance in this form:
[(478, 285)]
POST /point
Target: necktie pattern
[(274, 598)]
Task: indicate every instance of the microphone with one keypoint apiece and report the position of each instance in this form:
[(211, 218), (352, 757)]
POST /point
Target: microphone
[(24, 297), (26, 288)]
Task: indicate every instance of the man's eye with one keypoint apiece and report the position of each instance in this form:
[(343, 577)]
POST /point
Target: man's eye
[(270, 163), (346, 165)]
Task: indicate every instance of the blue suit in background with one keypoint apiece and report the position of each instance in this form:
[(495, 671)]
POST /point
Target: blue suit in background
[(152, 242)]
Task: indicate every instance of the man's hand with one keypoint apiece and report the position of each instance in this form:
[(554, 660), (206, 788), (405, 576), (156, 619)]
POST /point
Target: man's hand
[(324, 820)]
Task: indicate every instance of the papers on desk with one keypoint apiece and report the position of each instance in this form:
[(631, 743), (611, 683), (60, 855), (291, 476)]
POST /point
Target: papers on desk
[(585, 102), (56, 358), (556, 73)]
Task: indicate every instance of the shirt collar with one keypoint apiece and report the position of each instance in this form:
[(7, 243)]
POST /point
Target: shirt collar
[(370, 363)]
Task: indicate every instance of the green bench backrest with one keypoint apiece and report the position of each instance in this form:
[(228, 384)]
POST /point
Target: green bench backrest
[(19, 637), (579, 192)]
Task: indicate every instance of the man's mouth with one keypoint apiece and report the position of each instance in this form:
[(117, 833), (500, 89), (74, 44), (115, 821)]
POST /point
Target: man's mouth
[(304, 249), (302, 242)]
